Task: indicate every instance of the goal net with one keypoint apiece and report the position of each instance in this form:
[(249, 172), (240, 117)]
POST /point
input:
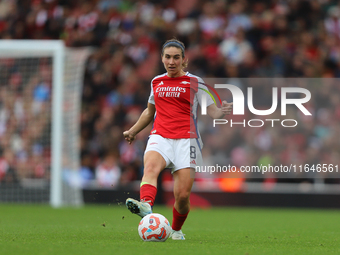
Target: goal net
[(40, 93)]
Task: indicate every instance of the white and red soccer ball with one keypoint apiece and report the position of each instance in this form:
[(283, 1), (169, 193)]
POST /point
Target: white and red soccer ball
[(154, 227)]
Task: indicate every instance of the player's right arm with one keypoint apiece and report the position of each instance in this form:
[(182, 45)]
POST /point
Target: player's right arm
[(144, 120)]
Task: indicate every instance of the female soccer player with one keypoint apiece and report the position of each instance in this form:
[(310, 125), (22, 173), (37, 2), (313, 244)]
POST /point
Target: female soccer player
[(174, 141)]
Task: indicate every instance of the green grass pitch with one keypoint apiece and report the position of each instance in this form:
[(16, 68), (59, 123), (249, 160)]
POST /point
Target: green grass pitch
[(27, 229)]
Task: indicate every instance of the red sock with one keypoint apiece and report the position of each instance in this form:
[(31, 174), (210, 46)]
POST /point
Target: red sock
[(178, 219), (148, 193)]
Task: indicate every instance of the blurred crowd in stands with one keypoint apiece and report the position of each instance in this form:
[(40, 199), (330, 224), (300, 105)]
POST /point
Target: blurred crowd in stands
[(224, 39), (25, 110)]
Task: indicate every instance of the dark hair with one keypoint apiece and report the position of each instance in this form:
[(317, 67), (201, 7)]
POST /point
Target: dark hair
[(174, 43), (177, 44)]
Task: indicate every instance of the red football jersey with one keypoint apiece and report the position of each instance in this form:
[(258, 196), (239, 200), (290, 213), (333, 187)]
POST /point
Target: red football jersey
[(176, 101)]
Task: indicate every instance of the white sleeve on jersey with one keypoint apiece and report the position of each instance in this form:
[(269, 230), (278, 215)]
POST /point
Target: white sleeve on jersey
[(201, 92), (198, 96), (151, 97)]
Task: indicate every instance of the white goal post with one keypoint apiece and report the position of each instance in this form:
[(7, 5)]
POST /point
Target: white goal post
[(66, 68)]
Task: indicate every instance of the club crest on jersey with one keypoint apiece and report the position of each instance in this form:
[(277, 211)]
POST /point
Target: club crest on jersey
[(184, 82)]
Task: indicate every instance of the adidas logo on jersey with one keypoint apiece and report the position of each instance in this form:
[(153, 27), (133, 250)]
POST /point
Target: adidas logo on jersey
[(161, 83), (154, 131), (184, 82), (193, 162)]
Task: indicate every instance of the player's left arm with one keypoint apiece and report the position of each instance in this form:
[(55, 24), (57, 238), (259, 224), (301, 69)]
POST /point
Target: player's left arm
[(218, 113)]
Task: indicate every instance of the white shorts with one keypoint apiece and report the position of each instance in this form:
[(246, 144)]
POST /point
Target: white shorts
[(177, 153)]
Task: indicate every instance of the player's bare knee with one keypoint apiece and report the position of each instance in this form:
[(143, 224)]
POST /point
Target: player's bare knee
[(151, 170), (182, 197)]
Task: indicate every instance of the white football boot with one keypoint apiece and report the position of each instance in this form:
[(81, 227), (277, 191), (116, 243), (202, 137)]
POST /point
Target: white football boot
[(177, 235), (140, 208)]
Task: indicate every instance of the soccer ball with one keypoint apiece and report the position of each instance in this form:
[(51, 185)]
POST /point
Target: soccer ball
[(154, 227)]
